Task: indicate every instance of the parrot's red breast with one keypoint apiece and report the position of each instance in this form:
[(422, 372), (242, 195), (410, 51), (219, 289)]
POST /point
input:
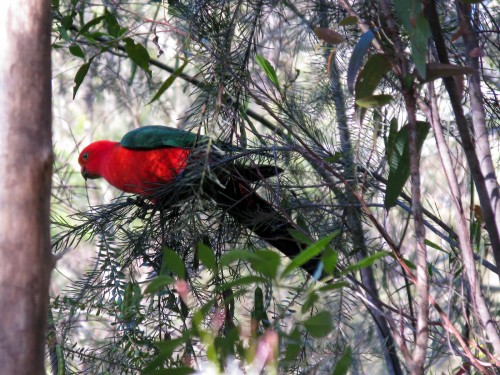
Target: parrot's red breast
[(132, 171)]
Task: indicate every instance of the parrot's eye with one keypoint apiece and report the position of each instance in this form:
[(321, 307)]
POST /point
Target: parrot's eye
[(85, 156)]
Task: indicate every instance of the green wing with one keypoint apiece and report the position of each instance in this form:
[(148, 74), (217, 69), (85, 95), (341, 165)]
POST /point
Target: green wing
[(155, 136)]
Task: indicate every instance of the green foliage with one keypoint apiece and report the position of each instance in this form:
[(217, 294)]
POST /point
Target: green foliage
[(415, 23), (207, 256), (398, 154), (344, 362), (172, 262), (80, 76), (357, 58), (77, 51), (138, 54), (112, 26), (319, 325), (159, 283), (311, 252), (94, 22), (268, 69), (369, 77), (374, 101), (366, 262), (349, 21)]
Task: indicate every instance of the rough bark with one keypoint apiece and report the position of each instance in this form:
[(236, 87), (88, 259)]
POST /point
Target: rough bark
[(25, 170)]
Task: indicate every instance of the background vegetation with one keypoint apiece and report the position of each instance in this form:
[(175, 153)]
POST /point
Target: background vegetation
[(384, 119)]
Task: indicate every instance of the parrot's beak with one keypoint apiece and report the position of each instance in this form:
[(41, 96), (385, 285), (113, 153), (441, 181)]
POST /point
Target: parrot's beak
[(86, 175)]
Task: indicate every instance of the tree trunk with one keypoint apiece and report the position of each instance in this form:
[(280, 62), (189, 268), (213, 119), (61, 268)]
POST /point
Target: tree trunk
[(25, 170)]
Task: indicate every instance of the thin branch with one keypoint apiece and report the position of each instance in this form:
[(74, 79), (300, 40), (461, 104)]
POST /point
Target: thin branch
[(487, 193), (478, 301)]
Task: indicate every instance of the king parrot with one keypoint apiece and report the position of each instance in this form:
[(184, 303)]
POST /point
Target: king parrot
[(151, 157)]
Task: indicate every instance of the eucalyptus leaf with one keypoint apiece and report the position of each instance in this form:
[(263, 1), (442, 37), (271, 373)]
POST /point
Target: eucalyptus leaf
[(399, 161), (319, 325), (172, 262), (343, 364), (138, 54), (207, 256), (369, 77), (374, 101), (357, 57), (80, 75), (268, 69), (309, 253)]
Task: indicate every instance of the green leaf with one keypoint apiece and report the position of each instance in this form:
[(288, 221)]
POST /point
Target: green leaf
[(75, 50), (299, 236), (349, 21), (258, 307), (293, 345), (138, 54), (207, 256), (343, 364), (358, 54), (435, 246), (319, 325), (366, 262), (130, 305), (391, 138), (158, 283), (374, 101), (311, 299), (407, 10), (399, 161), (91, 23), (112, 25), (64, 34), (419, 39), (266, 262), (309, 253), (337, 156), (414, 21), (266, 66), (169, 81), (369, 77), (166, 349), (80, 75), (67, 21), (241, 281), (234, 255), (172, 262), (330, 258), (258, 312), (263, 261)]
